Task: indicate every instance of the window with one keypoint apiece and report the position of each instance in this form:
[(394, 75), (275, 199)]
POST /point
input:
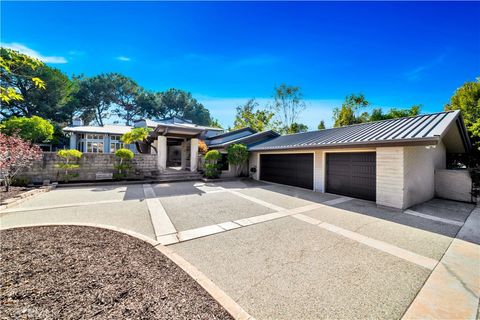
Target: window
[(223, 162), (95, 147)]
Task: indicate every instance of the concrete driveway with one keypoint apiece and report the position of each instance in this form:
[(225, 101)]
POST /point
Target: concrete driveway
[(287, 253)]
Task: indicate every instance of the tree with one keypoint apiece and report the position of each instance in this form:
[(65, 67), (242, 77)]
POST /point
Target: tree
[(13, 65), (348, 113), (16, 155), (68, 156), (125, 97), (34, 129), (215, 123), (124, 155), (237, 155), (377, 113), (297, 128), (49, 102), (211, 164), (248, 115), (94, 98), (321, 125), (467, 100), (176, 102), (202, 147), (139, 137), (288, 105)]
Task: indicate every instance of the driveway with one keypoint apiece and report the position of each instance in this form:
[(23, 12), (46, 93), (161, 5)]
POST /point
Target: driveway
[(282, 252)]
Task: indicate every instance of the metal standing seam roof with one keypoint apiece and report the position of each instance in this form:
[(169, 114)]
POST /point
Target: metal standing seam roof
[(427, 127), (249, 139)]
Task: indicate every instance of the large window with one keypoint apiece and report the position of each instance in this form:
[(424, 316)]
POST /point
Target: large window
[(115, 143), (95, 147)]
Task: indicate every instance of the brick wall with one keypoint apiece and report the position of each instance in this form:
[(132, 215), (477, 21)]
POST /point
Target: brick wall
[(90, 165)]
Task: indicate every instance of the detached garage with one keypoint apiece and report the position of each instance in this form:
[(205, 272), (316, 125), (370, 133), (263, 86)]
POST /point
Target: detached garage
[(392, 162)]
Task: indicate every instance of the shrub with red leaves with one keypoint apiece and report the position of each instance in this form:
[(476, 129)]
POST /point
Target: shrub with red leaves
[(16, 154)]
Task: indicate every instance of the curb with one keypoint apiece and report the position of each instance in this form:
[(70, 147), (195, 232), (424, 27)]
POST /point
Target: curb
[(233, 308), (12, 202)]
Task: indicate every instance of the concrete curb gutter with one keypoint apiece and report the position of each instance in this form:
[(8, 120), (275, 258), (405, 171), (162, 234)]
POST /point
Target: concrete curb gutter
[(15, 201), (233, 308)]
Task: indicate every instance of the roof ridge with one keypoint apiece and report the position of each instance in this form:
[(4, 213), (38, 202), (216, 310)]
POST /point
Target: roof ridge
[(377, 121)]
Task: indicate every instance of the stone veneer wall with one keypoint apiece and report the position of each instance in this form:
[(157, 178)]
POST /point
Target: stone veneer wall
[(90, 165)]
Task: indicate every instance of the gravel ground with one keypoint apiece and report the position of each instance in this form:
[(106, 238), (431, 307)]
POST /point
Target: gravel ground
[(12, 192), (71, 272)]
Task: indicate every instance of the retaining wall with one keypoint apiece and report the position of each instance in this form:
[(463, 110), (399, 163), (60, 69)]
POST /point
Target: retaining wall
[(453, 185), (90, 165)]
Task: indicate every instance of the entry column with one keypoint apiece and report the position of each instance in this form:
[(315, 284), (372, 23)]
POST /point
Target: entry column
[(162, 153), (184, 155), (193, 154)]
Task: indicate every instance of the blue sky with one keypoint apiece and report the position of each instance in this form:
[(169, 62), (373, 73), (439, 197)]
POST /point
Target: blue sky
[(396, 53)]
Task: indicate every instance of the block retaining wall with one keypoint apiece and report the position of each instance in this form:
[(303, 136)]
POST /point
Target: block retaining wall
[(90, 165)]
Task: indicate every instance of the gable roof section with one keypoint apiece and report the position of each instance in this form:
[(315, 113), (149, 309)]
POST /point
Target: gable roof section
[(249, 140), (421, 129), (230, 136)]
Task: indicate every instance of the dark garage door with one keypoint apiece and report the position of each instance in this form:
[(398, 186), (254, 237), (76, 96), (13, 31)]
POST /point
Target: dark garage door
[(292, 169), (352, 174)]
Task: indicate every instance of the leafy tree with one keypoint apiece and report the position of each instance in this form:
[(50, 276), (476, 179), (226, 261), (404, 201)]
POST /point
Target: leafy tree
[(297, 128), (50, 102), (288, 105), (176, 102), (16, 155), (348, 113), (211, 164), (34, 129), (467, 100), (68, 156), (151, 104), (249, 115), (138, 136), (124, 155), (94, 98), (13, 65), (125, 97), (321, 125), (215, 123), (237, 155), (377, 114)]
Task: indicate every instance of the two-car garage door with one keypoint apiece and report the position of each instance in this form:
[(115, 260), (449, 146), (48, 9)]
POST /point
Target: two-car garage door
[(351, 173)]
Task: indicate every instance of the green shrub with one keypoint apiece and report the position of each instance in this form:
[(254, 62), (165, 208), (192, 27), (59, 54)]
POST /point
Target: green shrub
[(124, 155), (20, 182), (67, 156), (237, 155), (212, 169)]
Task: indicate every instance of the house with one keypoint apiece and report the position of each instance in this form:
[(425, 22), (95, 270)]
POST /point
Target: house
[(96, 139), (392, 162)]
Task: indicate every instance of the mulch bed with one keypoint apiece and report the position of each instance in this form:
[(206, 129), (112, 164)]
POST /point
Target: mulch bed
[(12, 192), (72, 272)]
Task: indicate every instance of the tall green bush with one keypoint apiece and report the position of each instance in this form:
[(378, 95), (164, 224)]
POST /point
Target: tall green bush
[(237, 155), (123, 155), (211, 164), (68, 156)]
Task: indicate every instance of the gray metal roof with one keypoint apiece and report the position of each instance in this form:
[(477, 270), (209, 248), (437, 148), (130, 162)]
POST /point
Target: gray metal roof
[(249, 140), (421, 128), (107, 129)]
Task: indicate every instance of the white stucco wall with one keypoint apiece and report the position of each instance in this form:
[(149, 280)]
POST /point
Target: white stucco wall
[(420, 164), (453, 185)]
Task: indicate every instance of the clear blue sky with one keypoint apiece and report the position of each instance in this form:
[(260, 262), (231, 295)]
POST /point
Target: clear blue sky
[(396, 53)]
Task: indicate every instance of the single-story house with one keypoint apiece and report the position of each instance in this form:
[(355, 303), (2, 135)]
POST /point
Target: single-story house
[(392, 162)]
